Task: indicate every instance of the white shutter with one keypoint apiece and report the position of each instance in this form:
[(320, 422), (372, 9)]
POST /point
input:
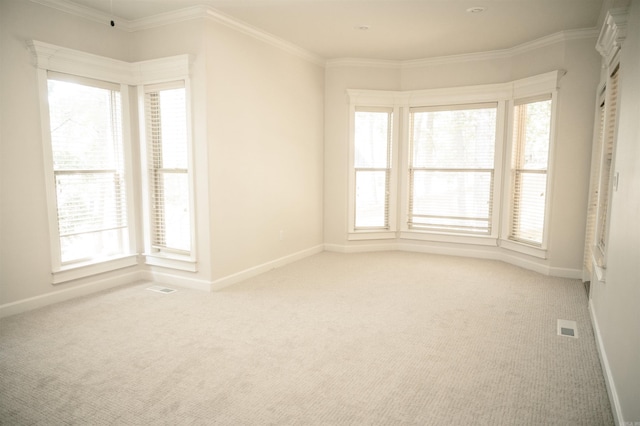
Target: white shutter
[(604, 196), (165, 115), (372, 167), (594, 183), (529, 164), (451, 168), (88, 167)]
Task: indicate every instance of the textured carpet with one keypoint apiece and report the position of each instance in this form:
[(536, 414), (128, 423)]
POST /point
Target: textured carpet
[(378, 338)]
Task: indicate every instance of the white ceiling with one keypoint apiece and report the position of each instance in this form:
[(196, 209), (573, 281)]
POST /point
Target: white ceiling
[(398, 29)]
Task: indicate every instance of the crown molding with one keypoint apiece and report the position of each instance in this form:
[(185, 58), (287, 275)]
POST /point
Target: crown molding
[(182, 15), (612, 34), (562, 36), (264, 36), (85, 12)]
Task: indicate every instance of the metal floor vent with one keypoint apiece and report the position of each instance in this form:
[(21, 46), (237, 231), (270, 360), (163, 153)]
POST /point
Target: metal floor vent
[(567, 328), (160, 289)]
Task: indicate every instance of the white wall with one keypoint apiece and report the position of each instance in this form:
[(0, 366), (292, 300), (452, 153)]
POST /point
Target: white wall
[(573, 143), (258, 131), (265, 138), (615, 303)]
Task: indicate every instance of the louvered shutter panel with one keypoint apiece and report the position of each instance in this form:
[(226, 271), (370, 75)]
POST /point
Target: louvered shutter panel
[(594, 183), (607, 158), (451, 170)]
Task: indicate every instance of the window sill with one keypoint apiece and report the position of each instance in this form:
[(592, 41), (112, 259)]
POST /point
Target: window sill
[(483, 240), (371, 235), (524, 248), (171, 261), (86, 269)]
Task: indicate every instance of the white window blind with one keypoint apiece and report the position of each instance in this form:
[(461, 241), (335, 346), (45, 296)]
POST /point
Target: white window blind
[(451, 168), (372, 168), (604, 196), (166, 130), (530, 161), (88, 167)]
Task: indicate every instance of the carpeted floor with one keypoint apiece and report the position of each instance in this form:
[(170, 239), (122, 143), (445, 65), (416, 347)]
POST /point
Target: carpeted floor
[(378, 339)]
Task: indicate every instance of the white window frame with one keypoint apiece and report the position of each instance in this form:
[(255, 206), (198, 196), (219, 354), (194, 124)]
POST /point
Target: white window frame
[(374, 101), (530, 248), (416, 233), (452, 97), (504, 94), (176, 72), (75, 63)]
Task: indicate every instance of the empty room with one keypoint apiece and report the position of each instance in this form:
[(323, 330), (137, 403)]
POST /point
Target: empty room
[(320, 212)]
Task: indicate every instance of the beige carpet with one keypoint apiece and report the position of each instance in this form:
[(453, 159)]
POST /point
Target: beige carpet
[(379, 338)]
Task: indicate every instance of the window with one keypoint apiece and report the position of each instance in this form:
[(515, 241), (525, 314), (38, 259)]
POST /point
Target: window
[(451, 168), (168, 168), (529, 165), (461, 165), (372, 168), (86, 118), (87, 163)]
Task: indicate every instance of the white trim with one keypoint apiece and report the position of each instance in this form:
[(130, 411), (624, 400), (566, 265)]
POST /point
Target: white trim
[(84, 12), (182, 15), (460, 250), (67, 294), (70, 61), (371, 235), (612, 35), (562, 36), (522, 247), (606, 369), (443, 237), (264, 36), (76, 62), (172, 262), (100, 266), (177, 280), (267, 266), (162, 70)]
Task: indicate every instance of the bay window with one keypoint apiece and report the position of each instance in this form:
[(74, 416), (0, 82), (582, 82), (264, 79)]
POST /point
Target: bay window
[(474, 164)]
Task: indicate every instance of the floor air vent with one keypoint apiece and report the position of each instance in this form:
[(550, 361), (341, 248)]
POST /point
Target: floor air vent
[(161, 289), (567, 328)]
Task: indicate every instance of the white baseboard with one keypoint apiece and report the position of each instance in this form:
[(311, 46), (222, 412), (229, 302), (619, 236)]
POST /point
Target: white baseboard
[(360, 248), (68, 293), (493, 253), (177, 280), (608, 376), (259, 269)]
